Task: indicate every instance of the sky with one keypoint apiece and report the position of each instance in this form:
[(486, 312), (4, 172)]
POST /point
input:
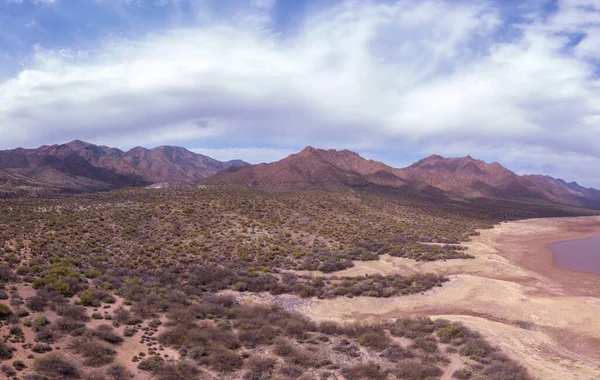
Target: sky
[(516, 82)]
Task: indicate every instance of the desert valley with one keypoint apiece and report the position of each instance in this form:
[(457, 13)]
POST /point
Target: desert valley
[(167, 264)]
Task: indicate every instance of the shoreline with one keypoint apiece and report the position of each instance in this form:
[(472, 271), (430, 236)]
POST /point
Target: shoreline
[(530, 251), (554, 255), (545, 317)]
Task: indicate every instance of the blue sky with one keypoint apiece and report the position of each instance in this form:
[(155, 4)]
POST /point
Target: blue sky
[(509, 81)]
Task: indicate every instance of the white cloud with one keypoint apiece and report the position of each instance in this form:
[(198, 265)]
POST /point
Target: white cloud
[(407, 76)]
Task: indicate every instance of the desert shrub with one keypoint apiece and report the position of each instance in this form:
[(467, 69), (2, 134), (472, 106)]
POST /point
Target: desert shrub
[(91, 273), (36, 303), (5, 311), (282, 348), (55, 366), (304, 358), (291, 371), (395, 353), (107, 334), (46, 335), (6, 274), (6, 351), (178, 371), (254, 337), (149, 306), (413, 369), (506, 371), (223, 359), (40, 348), (74, 312), (8, 370), (118, 372), (19, 365), (88, 298), (475, 348), (95, 352), (34, 376), (198, 354), (152, 364), (68, 325), (462, 374), (95, 375), (347, 348), (412, 328), (330, 328), (130, 331), (428, 345), (39, 322), (21, 313), (259, 367), (374, 338), (364, 371), (124, 316), (61, 277)]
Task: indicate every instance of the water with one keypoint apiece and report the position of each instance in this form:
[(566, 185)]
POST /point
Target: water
[(581, 255)]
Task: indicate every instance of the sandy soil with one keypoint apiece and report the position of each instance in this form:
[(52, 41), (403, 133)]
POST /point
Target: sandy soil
[(545, 317)]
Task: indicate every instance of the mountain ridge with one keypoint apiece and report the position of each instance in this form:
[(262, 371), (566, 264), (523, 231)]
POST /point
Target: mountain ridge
[(80, 167), (462, 177)]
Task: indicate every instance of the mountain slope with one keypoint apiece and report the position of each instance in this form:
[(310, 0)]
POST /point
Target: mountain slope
[(312, 169), (470, 178), (571, 193), (161, 164), (78, 167), (464, 177)]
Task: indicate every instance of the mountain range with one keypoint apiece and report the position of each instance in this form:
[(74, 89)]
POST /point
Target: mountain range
[(80, 167)]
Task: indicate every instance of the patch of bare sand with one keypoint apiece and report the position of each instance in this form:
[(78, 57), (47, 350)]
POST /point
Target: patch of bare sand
[(511, 283), (534, 349)]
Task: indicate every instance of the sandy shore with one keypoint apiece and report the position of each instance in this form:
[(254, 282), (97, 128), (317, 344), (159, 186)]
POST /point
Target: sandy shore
[(545, 317)]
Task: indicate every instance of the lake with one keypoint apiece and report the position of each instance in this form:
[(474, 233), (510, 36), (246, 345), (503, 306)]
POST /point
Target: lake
[(581, 254)]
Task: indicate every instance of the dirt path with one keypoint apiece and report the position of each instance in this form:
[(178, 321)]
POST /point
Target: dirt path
[(455, 364)]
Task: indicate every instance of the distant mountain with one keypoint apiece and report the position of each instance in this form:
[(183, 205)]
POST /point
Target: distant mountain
[(78, 167), (563, 192), (311, 169), (464, 177), (470, 178), (161, 164)]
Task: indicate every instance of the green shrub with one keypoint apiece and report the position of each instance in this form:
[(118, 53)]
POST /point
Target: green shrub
[(19, 365), (6, 351), (152, 364), (5, 311)]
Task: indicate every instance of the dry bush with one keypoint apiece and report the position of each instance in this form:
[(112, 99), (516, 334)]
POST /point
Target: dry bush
[(364, 371), (95, 352), (55, 366)]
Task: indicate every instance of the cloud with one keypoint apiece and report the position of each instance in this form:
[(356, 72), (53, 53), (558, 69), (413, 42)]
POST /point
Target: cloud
[(402, 77)]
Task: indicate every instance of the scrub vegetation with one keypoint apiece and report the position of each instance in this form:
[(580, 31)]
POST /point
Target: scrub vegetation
[(85, 278)]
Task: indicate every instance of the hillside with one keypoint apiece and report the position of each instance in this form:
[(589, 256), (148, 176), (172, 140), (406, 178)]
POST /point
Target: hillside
[(435, 176), (141, 281), (80, 167)]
